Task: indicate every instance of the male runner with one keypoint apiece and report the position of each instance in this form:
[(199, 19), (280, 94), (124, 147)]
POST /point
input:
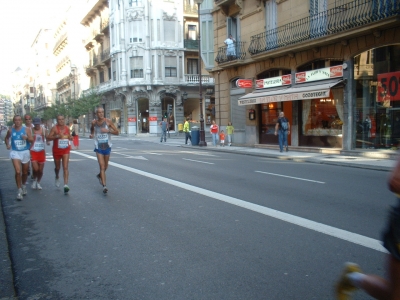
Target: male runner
[(38, 154), (20, 137), (60, 136), (101, 131), (28, 123)]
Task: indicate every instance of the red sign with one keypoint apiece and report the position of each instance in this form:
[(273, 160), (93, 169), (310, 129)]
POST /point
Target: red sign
[(336, 71), (244, 83), (300, 77), (132, 120), (389, 86), (152, 119)]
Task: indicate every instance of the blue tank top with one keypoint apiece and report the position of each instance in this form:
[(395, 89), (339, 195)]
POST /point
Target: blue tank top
[(17, 142)]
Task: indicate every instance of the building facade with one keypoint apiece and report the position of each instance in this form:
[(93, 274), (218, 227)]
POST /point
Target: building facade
[(331, 66), (152, 70)]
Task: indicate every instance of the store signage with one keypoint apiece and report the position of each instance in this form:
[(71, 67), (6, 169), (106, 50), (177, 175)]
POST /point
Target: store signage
[(273, 81), (244, 83), (132, 120), (389, 86), (286, 97), (319, 74), (153, 119)]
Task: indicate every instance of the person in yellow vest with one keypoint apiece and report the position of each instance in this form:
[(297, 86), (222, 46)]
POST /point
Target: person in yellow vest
[(186, 130), (229, 131)]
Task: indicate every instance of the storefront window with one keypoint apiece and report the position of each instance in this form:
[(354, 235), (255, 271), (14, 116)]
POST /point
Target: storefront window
[(377, 83), (323, 117)]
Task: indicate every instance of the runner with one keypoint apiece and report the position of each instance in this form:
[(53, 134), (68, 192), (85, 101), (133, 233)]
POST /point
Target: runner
[(20, 137), (28, 123), (60, 136), (101, 131), (38, 154)]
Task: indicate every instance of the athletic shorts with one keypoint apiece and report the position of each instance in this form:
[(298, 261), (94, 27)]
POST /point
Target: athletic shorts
[(24, 156), (103, 152), (39, 157), (391, 235), (59, 156)]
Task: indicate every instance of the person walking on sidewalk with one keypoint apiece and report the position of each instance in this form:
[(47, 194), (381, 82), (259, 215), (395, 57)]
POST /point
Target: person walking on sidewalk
[(163, 125), (282, 129), (186, 130), (17, 139), (101, 130), (38, 154), (230, 131), (60, 135), (222, 138), (214, 129)]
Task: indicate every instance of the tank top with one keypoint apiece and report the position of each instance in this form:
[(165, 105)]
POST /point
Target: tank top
[(17, 142), (101, 140), (38, 141), (61, 144)]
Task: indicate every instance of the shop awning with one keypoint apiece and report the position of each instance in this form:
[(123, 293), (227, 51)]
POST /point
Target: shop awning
[(298, 92)]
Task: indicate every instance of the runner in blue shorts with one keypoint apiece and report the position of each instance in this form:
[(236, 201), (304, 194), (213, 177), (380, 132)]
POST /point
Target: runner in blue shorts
[(101, 130)]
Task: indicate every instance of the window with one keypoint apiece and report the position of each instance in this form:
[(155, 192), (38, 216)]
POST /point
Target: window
[(193, 66), (136, 31), (109, 73), (135, 3), (192, 30), (101, 75), (169, 31), (136, 67), (170, 67), (114, 70)]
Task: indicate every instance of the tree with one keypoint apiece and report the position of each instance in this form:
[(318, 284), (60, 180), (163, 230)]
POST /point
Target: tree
[(87, 102)]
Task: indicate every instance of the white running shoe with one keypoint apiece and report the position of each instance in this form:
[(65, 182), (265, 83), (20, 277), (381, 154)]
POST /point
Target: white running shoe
[(57, 182), (39, 187), (105, 190), (66, 189), (24, 191), (19, 195), (34, 185)]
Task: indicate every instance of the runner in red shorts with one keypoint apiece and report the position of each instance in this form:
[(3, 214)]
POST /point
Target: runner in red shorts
[(60, 136), (38, 154)]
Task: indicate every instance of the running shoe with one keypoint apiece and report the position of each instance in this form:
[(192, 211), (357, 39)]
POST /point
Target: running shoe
[(344, 287), (99, 178), (105, 190), (24, 191), (39, 187), (34, 185), (57, 182), (66, 189), (19, 195)]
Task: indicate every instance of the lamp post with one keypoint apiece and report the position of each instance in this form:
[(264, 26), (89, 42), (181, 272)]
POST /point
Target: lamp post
[(202, 141)]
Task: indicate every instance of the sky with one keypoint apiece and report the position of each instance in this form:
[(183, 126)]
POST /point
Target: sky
[(20, 22)]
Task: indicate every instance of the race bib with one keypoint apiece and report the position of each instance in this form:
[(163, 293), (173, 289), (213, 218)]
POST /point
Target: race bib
[(102, 138), (20, 144), (38, 146), (63, 143)]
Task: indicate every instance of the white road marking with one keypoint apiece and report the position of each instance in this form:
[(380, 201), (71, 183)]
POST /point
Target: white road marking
[(203, 162), (120, 148), (198, 153), (129, 156), (154, 153), (297, 178), (319, 227)]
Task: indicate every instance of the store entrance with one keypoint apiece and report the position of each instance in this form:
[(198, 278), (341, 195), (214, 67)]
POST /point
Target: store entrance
[(143, 116)]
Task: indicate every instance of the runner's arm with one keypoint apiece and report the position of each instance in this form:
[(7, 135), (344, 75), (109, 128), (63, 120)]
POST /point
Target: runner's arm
[(7, 138), (112, 126)]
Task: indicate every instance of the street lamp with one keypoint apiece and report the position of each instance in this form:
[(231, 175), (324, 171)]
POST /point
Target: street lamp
[(202, 141)]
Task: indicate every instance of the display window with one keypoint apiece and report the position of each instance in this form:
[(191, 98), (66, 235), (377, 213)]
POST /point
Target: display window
[(377, 89)]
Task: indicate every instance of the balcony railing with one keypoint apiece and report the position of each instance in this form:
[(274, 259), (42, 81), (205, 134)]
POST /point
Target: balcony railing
[(231, 52), (62, 82), (338, 19), (195, 79), (191, 44), (105, 55)]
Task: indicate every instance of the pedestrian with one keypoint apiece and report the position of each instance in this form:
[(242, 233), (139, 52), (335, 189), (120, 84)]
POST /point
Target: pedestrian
[(186, 130), (352, 278), (60, 135), (214, 129), (230, 131), (75, 134), (37, 151), (222, 138), (282, 129), (18, 139), (101, 130), (163, 125)]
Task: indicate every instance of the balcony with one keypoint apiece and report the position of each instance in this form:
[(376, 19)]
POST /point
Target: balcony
[(60, 44), (191, 44), (104, 25), (237, 53), (194, 79), (105, 55), (340, 19), (63, 82), (189, 8)]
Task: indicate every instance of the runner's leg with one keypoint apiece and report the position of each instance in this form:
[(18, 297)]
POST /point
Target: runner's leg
[(65, 163), (17, 167)]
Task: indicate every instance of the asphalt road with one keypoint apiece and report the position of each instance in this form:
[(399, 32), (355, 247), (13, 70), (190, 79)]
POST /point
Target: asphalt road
[(180, 223)]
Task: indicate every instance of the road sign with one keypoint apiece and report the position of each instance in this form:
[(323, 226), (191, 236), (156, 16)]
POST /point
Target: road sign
[(244, 83)]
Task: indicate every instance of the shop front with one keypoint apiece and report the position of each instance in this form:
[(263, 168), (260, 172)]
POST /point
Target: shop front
[(317, 115)]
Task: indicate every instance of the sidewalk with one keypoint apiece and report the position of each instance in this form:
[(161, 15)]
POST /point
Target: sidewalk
[(383, 160)]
